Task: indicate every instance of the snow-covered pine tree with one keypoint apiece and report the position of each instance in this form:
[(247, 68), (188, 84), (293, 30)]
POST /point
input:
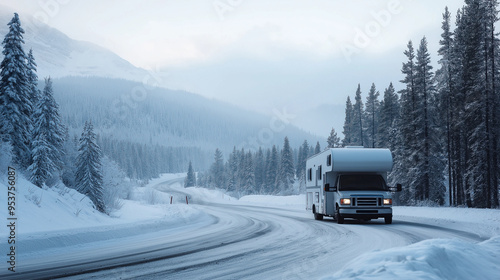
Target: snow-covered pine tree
[(47, 138), (333, 140), (248, 174), (42, 167), (371, 117), (317, 148), (461, 195), (301, 165), (301, 159), (232, 171), (88, 179), (389, 113), (34, 92), (444, 91), (432, 162), (217, 170), (349, 116), (260, 171), (70, 148), (405, 170), (287, 171), (357, 120), (15, 96), (191, 177), (46, 119), (273, 171), (267, 162)]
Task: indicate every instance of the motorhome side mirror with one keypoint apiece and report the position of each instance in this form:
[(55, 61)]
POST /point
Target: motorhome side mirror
[(397, 188), (330, 189)]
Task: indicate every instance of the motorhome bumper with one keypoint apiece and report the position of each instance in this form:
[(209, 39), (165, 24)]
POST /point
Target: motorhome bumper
[(360, 213)]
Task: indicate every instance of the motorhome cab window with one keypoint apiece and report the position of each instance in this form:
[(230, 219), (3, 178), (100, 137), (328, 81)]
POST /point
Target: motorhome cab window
[(362, 182)]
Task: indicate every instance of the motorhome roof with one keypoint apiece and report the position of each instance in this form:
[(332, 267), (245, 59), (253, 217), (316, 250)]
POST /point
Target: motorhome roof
[(358, 159)]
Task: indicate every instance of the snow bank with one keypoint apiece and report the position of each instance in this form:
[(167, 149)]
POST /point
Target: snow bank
[(429, 259), (41, 211), (483, 222), (454, 214)]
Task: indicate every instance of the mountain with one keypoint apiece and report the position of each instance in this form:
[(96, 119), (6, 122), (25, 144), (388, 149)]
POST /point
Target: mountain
[(129, 110), (132, 116), (156, 130), (57, 55)]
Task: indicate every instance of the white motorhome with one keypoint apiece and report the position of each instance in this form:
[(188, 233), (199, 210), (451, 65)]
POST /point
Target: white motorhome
[(350, 183)]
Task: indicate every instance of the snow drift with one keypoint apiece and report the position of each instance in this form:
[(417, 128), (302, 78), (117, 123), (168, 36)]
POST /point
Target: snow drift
[(429, 259)]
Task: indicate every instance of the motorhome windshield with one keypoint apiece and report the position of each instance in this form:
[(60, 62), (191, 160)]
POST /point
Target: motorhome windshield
[(362, 182)]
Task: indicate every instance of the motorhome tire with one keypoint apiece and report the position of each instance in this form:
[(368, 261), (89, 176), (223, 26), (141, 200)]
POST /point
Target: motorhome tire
[(317, 216), (338, 217), (388, 220)]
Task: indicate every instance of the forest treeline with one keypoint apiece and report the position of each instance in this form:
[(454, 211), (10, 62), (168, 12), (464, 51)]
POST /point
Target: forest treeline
[(443, 126)]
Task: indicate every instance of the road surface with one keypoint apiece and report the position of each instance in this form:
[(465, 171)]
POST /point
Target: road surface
[(237, 242)]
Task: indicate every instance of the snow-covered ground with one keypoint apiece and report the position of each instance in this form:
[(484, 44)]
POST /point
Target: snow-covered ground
[(429, 243)]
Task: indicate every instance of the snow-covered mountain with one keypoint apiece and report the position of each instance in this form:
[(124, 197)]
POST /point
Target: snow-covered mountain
[(125, 104), (57, 55)]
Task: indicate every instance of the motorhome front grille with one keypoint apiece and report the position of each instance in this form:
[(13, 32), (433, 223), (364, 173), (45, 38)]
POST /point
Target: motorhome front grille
[(366, 201)]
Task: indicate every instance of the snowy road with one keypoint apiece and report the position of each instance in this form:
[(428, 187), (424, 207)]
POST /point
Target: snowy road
[(236, 241)]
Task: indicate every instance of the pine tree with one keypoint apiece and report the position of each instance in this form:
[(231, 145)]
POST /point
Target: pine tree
[(15, 95), (191, 177), (301, 165), (445, 86), (217, 170), (406, 170), (260, 171), (34, 92), (389, 113), (248, 174), (48, 139), (42, 167), (317, 149), (232, 171), (287, 171), (70, 148), (348, 131), (273, 168), (357, 120), (432, 162), (88, 179), (371, 117), (302, 158), (333, 140)]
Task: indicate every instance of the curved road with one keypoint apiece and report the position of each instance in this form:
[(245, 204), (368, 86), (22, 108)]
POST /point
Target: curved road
[(240, 242)]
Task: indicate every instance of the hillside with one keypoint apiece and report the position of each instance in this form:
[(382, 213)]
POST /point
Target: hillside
[(130, 111)]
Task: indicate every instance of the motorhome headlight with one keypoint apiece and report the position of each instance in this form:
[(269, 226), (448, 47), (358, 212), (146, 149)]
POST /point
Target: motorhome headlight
[(345, 201), (387, 201)]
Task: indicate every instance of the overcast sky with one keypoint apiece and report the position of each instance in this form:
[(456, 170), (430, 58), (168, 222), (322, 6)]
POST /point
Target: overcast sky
[(263, 55)]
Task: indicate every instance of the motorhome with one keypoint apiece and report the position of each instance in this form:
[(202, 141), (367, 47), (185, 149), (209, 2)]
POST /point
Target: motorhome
[(350, 183)]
